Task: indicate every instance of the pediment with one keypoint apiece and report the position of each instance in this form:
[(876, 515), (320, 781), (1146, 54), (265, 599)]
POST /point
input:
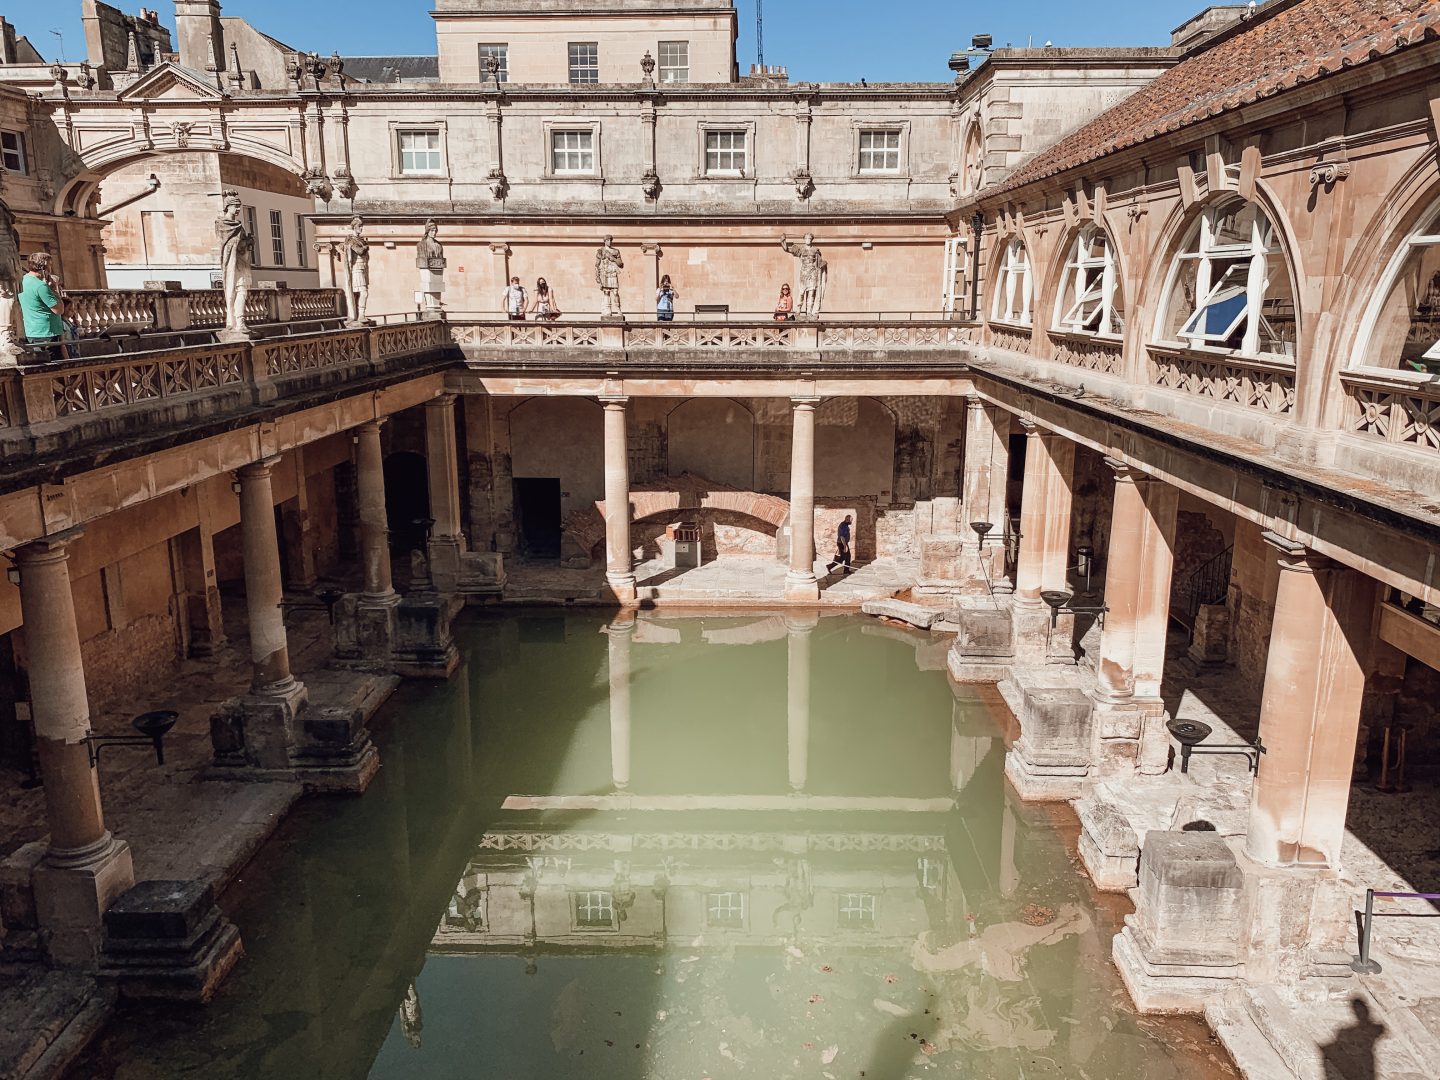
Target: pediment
[(170, 82)]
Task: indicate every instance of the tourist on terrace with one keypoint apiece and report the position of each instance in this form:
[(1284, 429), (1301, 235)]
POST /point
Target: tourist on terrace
[(545, 304), (843, 556), (39, 304), (515, 300), (665, 298), (785, 306)]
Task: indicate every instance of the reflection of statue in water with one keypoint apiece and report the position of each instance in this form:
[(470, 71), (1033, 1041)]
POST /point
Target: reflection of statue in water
[(410, 1020), (608, 265), (12, 271), (356, 250), (467, 909), (235, 247), (799, 893), (813, 273)]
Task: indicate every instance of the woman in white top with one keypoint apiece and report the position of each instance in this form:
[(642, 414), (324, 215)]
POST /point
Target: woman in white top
[(515, 300), (545, 304)]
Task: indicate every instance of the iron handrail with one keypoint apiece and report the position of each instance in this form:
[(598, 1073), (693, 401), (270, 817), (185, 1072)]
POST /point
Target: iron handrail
[(1362, 964)]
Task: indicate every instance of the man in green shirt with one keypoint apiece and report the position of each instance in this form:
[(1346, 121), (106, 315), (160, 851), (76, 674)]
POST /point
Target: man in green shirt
[(38, 302)]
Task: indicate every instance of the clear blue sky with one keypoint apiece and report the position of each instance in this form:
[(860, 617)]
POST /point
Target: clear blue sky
[(818, 40)]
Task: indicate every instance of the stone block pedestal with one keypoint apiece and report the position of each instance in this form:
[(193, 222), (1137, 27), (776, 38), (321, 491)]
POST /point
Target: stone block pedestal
[(1109, 847), (1051, 759), (424, 645), (167, 940), (365, 629), (71, 899), (984, 641), (255, 734)]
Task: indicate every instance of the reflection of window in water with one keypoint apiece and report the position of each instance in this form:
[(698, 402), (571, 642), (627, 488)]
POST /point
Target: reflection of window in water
[(932, 872), (857, 911), (595, 910), (725, 909)]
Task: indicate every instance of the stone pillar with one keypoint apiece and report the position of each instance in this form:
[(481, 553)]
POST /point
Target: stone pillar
[(84, 868), (620, 632), (800, 582), (275, 696), (195, 554), (999, 510), (619, 559), (1310, 709), (1044, 549), (299, 535), (797, 703), (374, 525), (1030, 566), (977, 572), (1130, 713), (443, 469)]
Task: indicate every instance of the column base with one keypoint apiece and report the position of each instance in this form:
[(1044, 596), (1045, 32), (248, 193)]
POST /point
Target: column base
[(424, 646), (1168, 988), (71, 900), (257, 731), (365, 628), (1130, 736), (1051, 759), (984, 642), (801, 586), (1039, 782), (167, 941), (1043, 636), (622, 587), (335, 754), (452, 569)]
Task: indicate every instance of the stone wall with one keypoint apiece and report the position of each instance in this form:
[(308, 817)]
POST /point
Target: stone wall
[(1254, 576)]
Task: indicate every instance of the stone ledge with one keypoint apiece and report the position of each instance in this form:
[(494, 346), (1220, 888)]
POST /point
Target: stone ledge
[(921, 617)]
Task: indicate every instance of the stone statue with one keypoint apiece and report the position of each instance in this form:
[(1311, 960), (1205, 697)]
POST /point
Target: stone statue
[(235, 247), (12, 272), (608, 265), (356, 251), (813, 272), (430, 262)]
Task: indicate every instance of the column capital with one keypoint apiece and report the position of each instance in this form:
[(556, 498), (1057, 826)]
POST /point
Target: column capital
[(614, 402), (1294, 555), (258, 470), (975, 401), (1030, 427), (1125, 472), (48, 549), (800, 403), (441, 401), (372, 425)]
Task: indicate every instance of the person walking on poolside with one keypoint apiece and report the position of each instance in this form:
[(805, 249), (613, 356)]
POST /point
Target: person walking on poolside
[(515, 300), (545, 305), (843, 556), (665, 298), (39, 304), (785, 306)]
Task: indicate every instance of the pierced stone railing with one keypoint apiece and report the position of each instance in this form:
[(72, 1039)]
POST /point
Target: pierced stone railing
[(108, 311), (1268, 387), (1089, 352), (408, 337), (312, 352), (1395, 410), (92, 387), (1015, 339)]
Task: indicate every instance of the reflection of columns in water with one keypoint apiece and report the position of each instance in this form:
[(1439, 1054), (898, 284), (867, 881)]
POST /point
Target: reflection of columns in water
[(966, 751), (411, 1022), (797, 709), (1009, 874), (620, 633)]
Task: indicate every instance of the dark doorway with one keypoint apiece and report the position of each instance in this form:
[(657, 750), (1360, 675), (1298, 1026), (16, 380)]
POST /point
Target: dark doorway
[(537, 513), (407, 500), (17, 739)]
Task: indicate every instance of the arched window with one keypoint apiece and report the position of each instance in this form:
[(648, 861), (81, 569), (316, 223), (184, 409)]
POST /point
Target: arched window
[(972, 161), (1012, 287), (1089, 300), (1230, 287), (1403, 331)]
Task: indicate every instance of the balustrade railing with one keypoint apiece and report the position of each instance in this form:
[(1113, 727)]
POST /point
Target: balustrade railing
[(98, 312), (1013, 338), (1252, 384), (1393, 409), (1088, 351)]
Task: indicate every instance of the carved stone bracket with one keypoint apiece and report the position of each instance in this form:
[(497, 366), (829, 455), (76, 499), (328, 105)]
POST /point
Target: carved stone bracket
[(650, 185), (499, 185), (317, 184), (804, 184), (1328, 173), (345, 185)]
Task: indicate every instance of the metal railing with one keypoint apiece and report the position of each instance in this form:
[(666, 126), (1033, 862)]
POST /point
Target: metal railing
[(1208, 583), (1362, 964)]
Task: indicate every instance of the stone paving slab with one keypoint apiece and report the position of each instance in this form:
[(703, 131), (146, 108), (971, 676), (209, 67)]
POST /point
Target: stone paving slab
[(37, 1009)]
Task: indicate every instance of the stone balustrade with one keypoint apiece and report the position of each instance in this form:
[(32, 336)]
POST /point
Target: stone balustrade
[(1392, 408), (1089, 351), (127, 311), (64, 403), (1265, 386)]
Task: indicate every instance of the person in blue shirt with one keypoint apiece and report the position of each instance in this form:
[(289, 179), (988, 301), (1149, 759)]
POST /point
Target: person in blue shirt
[(665, 298), (843, 555)]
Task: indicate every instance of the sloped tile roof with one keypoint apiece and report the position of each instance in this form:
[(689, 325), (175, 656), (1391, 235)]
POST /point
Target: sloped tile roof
[(1294, 42)]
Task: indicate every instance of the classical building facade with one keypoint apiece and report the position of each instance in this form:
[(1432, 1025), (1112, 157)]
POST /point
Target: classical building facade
[(1106, 340)]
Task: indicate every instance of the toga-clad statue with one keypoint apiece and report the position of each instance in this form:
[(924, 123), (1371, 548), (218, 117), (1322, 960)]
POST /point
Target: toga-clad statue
[(356, 251), (608, 265), (813, 272), (12, 272), (430, 262), (236, 245)]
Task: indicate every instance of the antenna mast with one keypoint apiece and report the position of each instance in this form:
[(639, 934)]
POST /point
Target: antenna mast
[(760, 34)]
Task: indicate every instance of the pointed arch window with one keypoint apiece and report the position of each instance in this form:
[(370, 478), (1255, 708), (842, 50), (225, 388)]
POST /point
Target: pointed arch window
[(1403, 330), (1013, 287), (1089, 300), (1230, 287)]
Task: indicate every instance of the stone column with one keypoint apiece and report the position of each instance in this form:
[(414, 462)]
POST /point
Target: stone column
[(84, 868), (797, 703), (374, 525), (619, 559), (1310, 709), (1031, 563), (275, 695), (976, 573), (800, 582), (1044, 549), (620, 632), (447, 542), (1129, 672)]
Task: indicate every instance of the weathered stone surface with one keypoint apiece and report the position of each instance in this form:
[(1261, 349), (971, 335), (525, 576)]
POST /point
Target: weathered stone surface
[(1108, 845), (167, 940), (159, 911), (914, 614)]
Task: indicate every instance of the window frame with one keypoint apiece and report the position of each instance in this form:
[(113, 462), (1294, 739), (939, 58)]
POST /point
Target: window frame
[(581, 899), (410, 126), (1101, 290), (504, 47), (868, 910), (277, 236), (551, 128), (21, 152), (252, 226), (437, 150), (901, 129), (571, 66), (302, 259), (707, 128), (1015, 270), (661, 67), (1220, 266), (1425, 233), (579, 152), (726, 921)]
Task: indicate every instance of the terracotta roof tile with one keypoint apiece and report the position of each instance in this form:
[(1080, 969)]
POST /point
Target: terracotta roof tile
[(1287, 46)]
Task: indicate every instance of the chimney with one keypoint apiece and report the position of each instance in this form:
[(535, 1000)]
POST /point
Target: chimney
[(200, 37)]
